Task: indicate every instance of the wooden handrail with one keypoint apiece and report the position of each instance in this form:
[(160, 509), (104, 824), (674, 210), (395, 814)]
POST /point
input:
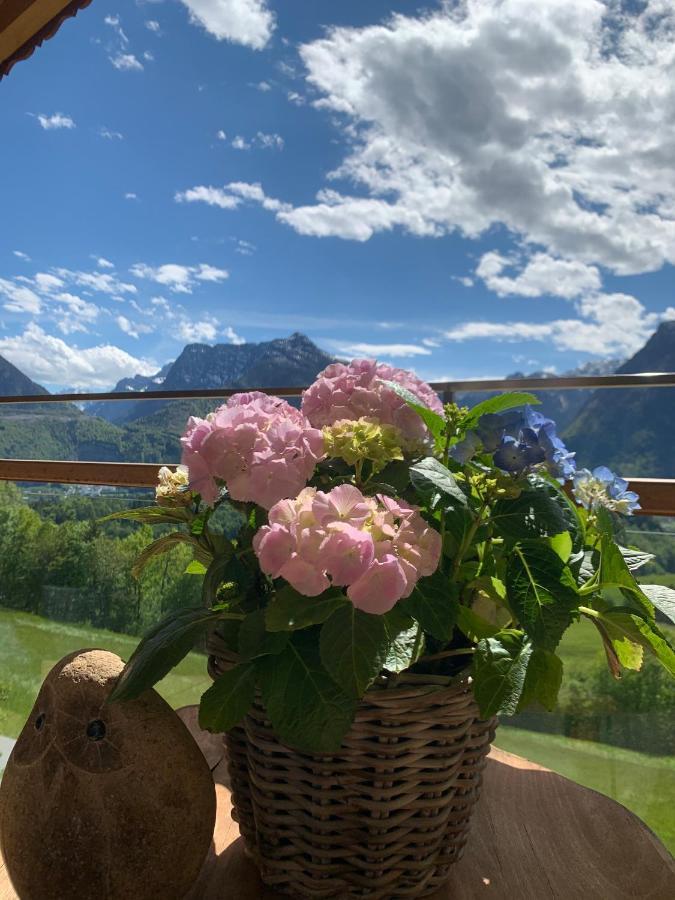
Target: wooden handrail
[(657, 495), (642, 380)]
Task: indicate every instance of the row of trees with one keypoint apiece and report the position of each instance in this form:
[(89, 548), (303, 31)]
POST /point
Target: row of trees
[(61, 562)]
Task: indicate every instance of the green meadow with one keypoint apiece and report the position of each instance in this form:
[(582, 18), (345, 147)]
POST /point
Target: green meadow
[(30, 645)]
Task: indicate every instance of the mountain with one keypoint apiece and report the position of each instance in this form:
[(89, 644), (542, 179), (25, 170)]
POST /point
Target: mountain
[(120, 410), (632, 431), (284, 362), (13, 383), (561, 406)]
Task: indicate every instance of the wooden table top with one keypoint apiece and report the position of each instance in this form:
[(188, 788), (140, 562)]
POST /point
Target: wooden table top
[(535, 835)]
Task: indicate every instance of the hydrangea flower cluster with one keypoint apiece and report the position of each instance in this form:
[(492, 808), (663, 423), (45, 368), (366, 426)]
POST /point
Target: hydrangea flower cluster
[(376, 547), (537, 443), (172, 487), (356, 441), (258, 445), (357, 390), (602, 487)]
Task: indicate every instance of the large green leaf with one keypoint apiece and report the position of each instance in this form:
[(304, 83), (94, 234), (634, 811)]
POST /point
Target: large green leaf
[(435, 483), (434, 422), (405, 649), (162, 648), (621, 652), (228, 699), (306, 707), (290, 610), (354, 647), (475, 627), (255, 640), (537, 512), (614, 573), (433, 603), (662, 597), (542, 679), (498, 404), (626, 628), (499, 669), (541, 591)]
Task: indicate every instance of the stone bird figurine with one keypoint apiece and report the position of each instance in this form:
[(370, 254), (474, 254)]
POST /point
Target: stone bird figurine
[(103, 801)]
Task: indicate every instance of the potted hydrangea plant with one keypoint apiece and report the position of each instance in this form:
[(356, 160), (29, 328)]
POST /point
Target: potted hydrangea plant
[(402, 574)]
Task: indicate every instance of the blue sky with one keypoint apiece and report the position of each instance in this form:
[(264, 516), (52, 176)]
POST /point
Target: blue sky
[(463, 189)]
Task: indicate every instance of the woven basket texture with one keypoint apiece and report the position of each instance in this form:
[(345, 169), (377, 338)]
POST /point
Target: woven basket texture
[(385, 816)]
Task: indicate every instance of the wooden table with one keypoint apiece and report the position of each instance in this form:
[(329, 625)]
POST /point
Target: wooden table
[(535, 835)]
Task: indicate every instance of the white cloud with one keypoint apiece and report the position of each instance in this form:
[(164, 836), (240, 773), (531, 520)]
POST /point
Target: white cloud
[(269, 141), (24, 256), (197, 332), (221, 135), (464, 280), (58, 120), (244, 248), (46, 282), (608, 325), (110, 135), (104, 263), (130, 196), (264, 86), (542, 275), (295, 98), (211, 195), (73, 313), (133, 329), (179, 279), (247, 22), (102, 282), (240, 143), (552, 118), (376, 350), (153, 25), (19, 298), (50, 360), (127, 62), (232, 336), (148, 55)]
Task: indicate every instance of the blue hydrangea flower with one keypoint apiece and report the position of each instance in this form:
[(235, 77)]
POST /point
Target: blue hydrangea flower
[(602, 487), (537, 443)]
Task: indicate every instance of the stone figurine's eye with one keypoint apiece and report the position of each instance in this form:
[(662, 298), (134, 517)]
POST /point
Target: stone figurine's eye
[(40, 721), (96, 730)]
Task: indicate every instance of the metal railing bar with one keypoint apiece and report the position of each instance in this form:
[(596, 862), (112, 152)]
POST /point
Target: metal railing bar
[(641, 380)]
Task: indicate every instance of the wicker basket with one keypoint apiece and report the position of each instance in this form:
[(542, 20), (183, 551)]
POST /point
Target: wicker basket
[(383, 818)]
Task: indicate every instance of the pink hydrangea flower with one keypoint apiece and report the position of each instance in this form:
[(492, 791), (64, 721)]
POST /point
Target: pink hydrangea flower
[(357, 389), (259, 446), (376, 547)]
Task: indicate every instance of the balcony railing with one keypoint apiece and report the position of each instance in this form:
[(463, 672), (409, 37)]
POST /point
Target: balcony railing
[(657, 495)]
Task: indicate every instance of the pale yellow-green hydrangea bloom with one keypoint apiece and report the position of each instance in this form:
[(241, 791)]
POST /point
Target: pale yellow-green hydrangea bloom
[(361, 439), (172, 487)]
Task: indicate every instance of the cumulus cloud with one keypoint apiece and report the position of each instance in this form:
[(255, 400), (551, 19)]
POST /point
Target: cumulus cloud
[(197, 332), (18, 298), (51, 361), (552, 118), (247, 22), (58, 120), (177, 278), (231, 195), (540, 276), (72, 313), (133, 329), (232, 336), (608, 325)]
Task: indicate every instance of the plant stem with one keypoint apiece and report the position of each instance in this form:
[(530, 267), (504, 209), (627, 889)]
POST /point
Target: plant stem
[(468, 537), (587, 611)]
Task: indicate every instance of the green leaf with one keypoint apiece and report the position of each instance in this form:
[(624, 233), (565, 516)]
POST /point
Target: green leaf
[(496, 405), (405, 649), (620, 651), (541, 591), (434, 422), (542, 680), (433, 603), (160, 649), (306, 707), (499, 669), (228, 699), (536, 513), (290, 610), (151, 515), (491, 585), (634, 558), (562, 544), (255, 640), (662, 597), (614, 573), (354, 646), (475, 627), (195, 568), (624, 627), (226, 569), (432, 480), (165, 543)]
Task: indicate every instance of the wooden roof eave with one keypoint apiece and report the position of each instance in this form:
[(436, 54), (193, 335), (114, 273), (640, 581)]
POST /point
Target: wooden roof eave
[(26, 24)]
